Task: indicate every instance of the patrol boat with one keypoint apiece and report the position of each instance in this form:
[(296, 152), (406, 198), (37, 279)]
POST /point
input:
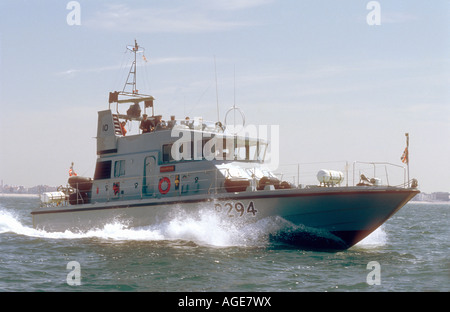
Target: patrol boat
[(196, 167)]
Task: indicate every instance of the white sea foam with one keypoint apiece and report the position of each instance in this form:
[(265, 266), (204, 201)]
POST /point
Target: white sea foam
[(207, 228), (375, 239), (204, 228)]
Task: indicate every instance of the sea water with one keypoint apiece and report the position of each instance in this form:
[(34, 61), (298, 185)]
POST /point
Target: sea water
[(409, 253)]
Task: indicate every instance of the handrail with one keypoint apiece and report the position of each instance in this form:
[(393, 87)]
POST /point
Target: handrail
[(374, 169), (211, 181), (305, 173), (210, 178)]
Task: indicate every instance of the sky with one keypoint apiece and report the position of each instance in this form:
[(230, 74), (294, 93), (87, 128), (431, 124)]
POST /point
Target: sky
[(344, 80)]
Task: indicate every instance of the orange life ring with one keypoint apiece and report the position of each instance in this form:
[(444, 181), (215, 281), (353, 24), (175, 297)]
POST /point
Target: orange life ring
[(161, 190)]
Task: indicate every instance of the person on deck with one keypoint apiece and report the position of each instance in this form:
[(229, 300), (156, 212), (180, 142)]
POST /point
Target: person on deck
[(172, 122), (146, 124), (122, 128)]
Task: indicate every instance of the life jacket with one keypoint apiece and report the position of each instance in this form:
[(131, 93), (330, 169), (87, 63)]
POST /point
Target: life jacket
[(124, 131)]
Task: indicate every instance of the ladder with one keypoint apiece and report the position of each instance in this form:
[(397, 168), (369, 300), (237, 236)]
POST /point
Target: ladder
[(117, 128)]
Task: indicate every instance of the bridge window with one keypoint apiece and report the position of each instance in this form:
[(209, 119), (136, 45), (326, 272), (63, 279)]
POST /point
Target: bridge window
[(167, 153), (119, 168), (103, 170)]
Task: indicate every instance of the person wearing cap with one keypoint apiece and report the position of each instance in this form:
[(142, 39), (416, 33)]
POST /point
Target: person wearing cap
[(172, 122), (146, 125)]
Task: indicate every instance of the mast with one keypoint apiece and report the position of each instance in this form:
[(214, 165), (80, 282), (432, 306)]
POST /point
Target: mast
[(134, 96), (132, 73)]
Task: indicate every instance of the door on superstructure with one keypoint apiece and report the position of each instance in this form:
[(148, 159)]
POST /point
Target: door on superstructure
[(149, 175)]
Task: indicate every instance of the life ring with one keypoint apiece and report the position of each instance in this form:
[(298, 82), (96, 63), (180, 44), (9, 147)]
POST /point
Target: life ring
[(167, 189)]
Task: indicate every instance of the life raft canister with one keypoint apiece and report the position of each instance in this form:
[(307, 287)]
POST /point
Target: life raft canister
[(166, 182)]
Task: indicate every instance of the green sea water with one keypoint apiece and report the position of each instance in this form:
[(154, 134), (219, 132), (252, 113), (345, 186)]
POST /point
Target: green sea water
[(411, 253)]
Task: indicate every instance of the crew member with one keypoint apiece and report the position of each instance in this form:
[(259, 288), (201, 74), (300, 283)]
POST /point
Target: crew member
[(187, 122), (157, 124), (122, 128), (172, 122), (146, 124)]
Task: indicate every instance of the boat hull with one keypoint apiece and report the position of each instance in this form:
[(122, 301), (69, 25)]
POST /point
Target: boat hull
[(334, 218)]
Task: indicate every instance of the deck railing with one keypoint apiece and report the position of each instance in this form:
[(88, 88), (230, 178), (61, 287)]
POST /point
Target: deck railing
[(301, 175), (305, 174)]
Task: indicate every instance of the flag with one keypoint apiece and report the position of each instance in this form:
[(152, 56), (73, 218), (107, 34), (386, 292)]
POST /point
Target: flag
[(404, 157)]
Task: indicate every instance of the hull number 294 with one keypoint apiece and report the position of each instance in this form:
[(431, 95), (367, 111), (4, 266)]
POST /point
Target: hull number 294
[(237, 209)]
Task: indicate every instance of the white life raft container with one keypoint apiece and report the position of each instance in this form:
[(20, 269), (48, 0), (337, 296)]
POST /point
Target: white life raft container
[(53, 197), (330, 177)]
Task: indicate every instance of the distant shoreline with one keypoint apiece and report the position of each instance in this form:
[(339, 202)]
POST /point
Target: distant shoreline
[(429, 202), (18, 195)]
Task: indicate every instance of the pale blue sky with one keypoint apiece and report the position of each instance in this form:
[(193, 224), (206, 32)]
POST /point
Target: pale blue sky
[(339, 88)]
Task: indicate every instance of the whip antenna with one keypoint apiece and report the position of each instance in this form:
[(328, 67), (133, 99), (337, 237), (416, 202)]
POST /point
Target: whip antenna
[(217, 91)]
